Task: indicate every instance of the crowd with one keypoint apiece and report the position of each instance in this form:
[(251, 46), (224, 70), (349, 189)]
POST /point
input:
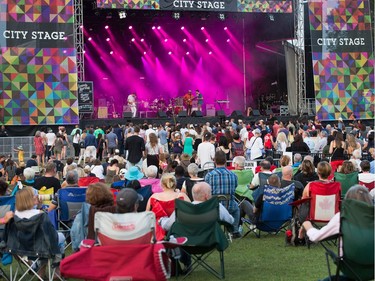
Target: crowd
[(188, 161)]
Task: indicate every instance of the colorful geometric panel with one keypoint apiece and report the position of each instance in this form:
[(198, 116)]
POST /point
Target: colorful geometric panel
[(129, 4), (265, 6), (343, 59), (38, 75)]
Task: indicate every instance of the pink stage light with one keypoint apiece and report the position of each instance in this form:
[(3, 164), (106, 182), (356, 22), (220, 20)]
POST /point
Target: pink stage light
[(130, 27), (106, 27), (84, 51), (107, 39), (165, 40), (81, 26), (159, 27), (184, 40), (187, 53), (153, 27), (202, 28), (225, 28), (111, 52), (142, 40), (182, 27), (90, 39), (210, 53), (144, 53), (206, 40), (169, 53), (228, 40), (133, 39)]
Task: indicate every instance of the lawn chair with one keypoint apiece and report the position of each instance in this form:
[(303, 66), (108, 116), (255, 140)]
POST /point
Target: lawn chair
[(70, 202), (242, 190), (347, 181), (7, 203), (200, 224), (334, 164), (127, 252), (356, 260), (369, 185), (263, 181), (47, 195), (276, 212), (31, 242)]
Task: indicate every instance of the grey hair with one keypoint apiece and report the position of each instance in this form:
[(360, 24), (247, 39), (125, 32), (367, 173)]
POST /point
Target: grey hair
[(360, 193), (72, 177), (193, 169), (239, 160), (297, 157), (151, 171), (29, 174)]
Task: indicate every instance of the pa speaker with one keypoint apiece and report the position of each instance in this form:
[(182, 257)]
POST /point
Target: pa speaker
[(237, 113), (269, 112), (162, 114), (182, 113), (127, 114), (197, 113), (256, 112), (220, 113)]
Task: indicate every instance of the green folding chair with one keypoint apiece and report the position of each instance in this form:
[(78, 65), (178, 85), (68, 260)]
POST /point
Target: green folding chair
[(244, 179), (200, 224), (347, 181), (356, 261)]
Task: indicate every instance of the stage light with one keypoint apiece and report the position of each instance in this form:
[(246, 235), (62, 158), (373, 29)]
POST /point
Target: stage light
[(182, 28), (153, 27), (210, 53), (176, 15), (187, 53), (221, 16), (111, 52), (159, 27), (122, 14), (107, 39), (106, 27), (206, 40), (144, 53), (165, 40), (84, 51), (133, 39), (90, 39), (225, 28), (184, 40), (142, 40), (202, 28), (228, 40), (81, 26), (169, 53), (130, 27)]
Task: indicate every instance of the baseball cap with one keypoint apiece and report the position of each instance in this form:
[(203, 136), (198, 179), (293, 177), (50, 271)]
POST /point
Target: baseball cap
[(127, 198)]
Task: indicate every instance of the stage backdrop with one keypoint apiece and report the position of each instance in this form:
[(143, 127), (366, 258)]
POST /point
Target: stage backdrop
[(38, 77), (343, 59)]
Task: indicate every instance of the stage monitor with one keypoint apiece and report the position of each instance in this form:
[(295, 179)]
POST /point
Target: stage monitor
[(182, 113), (127, 114), (256, 112), (237, 113), (197, 113), (220, 113), (162, 114)]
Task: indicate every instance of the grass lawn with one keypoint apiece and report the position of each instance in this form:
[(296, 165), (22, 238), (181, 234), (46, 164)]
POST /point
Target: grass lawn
[(265, 258)]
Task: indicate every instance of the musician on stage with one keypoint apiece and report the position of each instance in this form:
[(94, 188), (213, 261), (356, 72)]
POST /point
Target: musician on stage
[(199, 97), (133, 103), (188, 102)]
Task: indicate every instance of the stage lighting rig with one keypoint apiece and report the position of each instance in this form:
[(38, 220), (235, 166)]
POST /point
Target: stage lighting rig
[(176, 15), (222, 16), (122, 14)]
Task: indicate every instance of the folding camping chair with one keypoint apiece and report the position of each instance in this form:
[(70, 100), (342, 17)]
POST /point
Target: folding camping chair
[(127, 251), (32, 242), (263, 181), (242, 190), (46, 195), (7, 203), (275, 213), (356, 260), (347, 181), (200, 224), (70, 202), (369, 185)]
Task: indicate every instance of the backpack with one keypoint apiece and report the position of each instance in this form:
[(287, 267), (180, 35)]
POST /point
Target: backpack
[(238, 149)]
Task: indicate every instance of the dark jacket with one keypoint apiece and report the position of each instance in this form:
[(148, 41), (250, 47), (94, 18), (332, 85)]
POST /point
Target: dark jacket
[(32, 237)]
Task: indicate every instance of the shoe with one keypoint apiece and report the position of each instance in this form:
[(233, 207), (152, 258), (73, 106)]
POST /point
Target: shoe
[(300, 242), (236, 235)]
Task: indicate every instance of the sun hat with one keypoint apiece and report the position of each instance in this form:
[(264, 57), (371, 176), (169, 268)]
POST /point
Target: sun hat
[(134, 174)]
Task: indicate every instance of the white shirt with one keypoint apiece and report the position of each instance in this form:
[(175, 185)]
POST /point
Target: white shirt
[(256, 146), (205, 153), (131, 100), (366, 177), (244, 133), (51, 137), (98, 170), (27, 213)]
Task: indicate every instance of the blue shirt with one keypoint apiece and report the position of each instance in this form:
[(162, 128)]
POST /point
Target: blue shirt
[(90, 140), (163, 137), (223, 181), (372, 167)]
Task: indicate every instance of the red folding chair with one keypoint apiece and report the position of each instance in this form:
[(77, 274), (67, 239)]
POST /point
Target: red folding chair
[(335, 164), (369, 185)]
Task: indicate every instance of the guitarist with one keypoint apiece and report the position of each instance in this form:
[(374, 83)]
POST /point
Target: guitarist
[(188, 102), (133, 104)]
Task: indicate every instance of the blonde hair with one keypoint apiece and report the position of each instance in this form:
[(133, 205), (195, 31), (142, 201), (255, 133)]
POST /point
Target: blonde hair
[(324, 169), (168, 181), (281, 137), (25, 199)]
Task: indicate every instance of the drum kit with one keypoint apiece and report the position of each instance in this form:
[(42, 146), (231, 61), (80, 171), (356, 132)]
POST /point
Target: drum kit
[(174, 106)]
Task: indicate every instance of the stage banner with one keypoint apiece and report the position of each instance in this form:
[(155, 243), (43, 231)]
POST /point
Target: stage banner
[(246, 6), (38, 77), (343, 58), (85, 97)]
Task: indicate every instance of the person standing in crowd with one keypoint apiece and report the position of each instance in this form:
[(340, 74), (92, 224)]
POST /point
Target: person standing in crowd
[(51, 137), (3, 132), (153, 150), (206, 151), (39, 148), (58, 146), (163, 137), (101, 147), (225, 182), (256, 145), (76, 135), (112, 142), (90, 146), (120, 138), (188, 144), (66, 144), (135, 145)]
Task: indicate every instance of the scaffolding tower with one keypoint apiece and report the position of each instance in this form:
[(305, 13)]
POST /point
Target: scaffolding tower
[(79, 40)]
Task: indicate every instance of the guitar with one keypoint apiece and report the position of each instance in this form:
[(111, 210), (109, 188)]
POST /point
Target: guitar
[(188, 101)]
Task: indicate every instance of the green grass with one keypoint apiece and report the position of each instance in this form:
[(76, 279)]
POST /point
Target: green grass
[(265, 258)]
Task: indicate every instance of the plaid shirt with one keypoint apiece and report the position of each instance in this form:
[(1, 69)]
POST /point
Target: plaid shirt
[(223, 181)]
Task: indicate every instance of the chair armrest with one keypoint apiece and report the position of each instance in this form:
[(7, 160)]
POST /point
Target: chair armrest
[(300, 202)]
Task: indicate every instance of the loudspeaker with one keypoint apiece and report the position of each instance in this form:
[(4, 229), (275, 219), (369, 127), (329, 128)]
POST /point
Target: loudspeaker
[(269, 112), (237, 113), (127, 114), (256, 112), (220, 113), (182, 113), (197, 113), (162, 114)]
